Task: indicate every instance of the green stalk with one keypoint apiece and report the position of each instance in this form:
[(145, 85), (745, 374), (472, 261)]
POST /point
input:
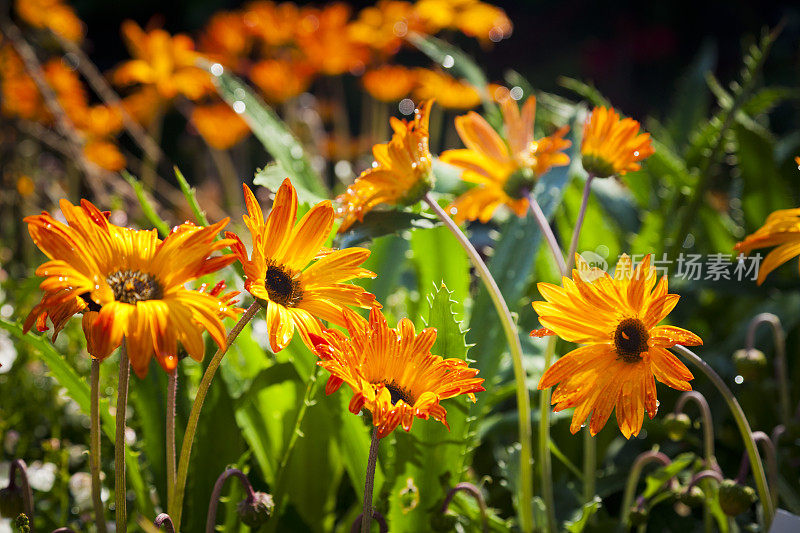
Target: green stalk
[(172, 392), (119, 440), (94, 443), (179, 488), (510, 329), (744, 429), (545, 459), (633, 479), (372, 460)]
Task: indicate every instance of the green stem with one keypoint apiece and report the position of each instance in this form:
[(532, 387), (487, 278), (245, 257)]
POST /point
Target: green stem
[(547, 233), (589, 465), (744, 429), (545, 459), (119, 440), (372, 461), (94, 444), (633, 479), (172, 392), (573, 245), (191, 425), (779, 337), (708, 424), (510, 330)]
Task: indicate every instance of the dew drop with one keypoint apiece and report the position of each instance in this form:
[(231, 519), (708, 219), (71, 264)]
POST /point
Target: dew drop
[(217, 70), (239, 106), (739, 379), (448, 61)]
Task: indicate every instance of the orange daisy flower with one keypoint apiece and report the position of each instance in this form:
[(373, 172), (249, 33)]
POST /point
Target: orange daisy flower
[(324, 36), (54, 15), (612, 146), (291, 274), (163, 61), (503, 170), (392, 371), (401, 174), (389, 83), (616, 319), (274, 24), (782, 229), (449, 92), (219, 125), (281, 80), (472, 17), (129, 284)]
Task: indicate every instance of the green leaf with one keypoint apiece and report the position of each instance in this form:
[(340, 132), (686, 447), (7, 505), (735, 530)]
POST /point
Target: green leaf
[(271, 131), (438, 259), (587, 512), (584, 90), (655, 481), (429, 460), (379, 223), (272, 176), (147, 208), (691, 103), (78, 390)]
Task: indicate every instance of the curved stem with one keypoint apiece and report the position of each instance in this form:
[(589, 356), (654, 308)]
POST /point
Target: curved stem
[(194, 416), (704, 474), (377, 516), (772, 463), (211, 518), (744, 429), (172, 392), (547, 232), (573, 245), (119, 440), (510, 330), (27, 492), (366, 515), (780, 357), (473, 491), (94, 445), (633, 479), (164, 521), (708, 424)]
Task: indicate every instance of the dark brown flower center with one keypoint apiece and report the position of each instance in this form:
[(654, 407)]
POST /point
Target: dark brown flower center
[(630, 339), (131, 286), (282, 288), (400, 393)]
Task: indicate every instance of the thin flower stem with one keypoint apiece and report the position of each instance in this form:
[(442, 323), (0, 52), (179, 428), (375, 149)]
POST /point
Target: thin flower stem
[(589, 465), (119, 440), (780, 357), (704, 474), (211, 518), (573, 245), (633, 480), (708, 424), (545, 458), (366, 516), (163, 521), (191, 425), (27, 492), (548, 234), (772, 463), (356, 527), (172, 392), (510, 330), (744, 429), (94, 444), (473, 491)]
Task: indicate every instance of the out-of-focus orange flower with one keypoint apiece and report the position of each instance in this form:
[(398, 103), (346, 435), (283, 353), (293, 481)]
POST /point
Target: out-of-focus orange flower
[(25, 185), (389, 83), (219, 125), (53, 15), (402, 173), (281, 80), (448, 91), (100, 121), (104, 154), (472, 17), (325, 38), (503, 170), (68, 87), (20, 97), (384, 26), (274, 24), (225, 39), (142, 105), (612, 146), (163, 61)]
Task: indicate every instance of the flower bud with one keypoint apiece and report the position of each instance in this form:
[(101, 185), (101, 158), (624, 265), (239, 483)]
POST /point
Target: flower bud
[(11, 502), (677, 425), (23, 523), (255, 513), (694, 497), (750, 364), (735, 498)]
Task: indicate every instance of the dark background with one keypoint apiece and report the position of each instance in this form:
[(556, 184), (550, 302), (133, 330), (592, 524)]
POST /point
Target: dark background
[(632, 51)]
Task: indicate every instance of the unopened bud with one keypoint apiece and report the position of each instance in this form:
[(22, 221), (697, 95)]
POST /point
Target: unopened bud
[(735, 498), (255, 513), (750, 364), (677, 425), (694, 497)]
